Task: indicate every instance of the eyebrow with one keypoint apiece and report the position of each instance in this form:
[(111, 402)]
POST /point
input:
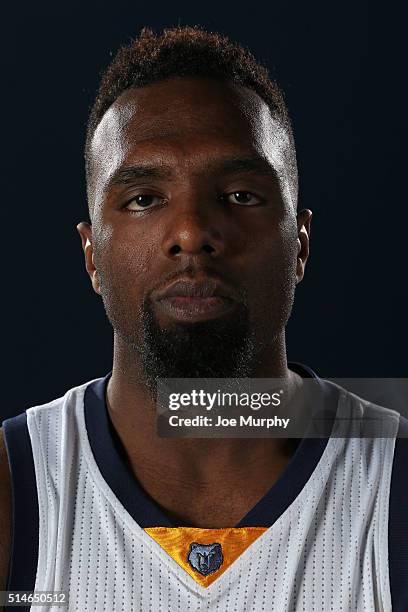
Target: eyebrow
[(251, 164), (254, 164), (131, 173)]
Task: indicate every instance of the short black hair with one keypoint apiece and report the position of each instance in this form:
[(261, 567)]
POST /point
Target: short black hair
[(187, 52)]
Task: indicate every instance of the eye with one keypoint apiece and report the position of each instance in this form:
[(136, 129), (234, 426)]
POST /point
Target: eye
[(143, 201), (244, 198)]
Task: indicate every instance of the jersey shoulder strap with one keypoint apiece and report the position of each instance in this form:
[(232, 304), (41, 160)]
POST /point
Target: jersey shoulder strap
[(25, 519)]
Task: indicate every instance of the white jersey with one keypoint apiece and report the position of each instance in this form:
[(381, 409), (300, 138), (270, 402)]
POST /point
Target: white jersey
[(327, 551)]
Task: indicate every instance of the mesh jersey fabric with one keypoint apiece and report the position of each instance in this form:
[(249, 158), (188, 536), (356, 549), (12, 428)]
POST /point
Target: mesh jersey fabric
[(328, 550)]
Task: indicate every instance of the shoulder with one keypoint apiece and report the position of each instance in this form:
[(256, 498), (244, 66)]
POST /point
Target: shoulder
[(45, 423), (399, 478), (17, 467), (5, 512), (398, 524)]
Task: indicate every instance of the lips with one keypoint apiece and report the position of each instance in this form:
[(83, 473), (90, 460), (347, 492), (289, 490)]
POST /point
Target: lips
[(205, 288), (193, 300)]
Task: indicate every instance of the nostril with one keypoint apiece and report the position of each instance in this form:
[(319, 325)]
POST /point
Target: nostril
[(175, 249)]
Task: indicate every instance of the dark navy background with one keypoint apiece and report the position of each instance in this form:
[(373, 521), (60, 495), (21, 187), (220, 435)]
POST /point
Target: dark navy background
[(342, 68)]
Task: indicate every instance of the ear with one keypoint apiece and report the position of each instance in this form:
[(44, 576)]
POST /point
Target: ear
[(85, 231), (304, 218)]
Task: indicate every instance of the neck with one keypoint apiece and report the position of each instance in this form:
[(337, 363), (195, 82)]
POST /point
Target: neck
[(133, 410), (173, 470)]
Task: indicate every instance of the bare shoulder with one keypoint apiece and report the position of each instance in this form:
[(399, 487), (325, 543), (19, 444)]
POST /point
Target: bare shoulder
[(5, 512)]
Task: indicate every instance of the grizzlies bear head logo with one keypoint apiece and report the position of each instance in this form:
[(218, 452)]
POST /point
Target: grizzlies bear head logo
[(205, 558)]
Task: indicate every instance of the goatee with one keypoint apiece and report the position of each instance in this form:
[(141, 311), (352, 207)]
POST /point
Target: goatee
[(217, 348)]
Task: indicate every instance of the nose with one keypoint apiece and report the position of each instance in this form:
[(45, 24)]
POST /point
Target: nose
[(192, 233)]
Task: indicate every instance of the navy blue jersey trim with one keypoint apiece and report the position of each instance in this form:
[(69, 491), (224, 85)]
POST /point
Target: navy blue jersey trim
[(398, 523), (25, 521), (113, 464), (112, 461), (300, 467)]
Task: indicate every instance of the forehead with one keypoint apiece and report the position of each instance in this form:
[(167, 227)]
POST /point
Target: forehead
[(184, 120)]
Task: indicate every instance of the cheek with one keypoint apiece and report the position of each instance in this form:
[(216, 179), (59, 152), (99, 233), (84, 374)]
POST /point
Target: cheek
[(274, 252), (273, 280), (124, 260)]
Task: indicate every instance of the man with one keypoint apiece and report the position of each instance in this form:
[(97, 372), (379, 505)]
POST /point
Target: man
[(196, 248)]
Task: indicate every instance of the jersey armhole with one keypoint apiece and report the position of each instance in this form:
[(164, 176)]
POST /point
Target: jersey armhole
[(398, 523), (25, 515)]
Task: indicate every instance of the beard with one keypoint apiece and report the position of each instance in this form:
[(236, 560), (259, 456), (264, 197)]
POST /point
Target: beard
[(218, 348), (225, 347), (230, 346)]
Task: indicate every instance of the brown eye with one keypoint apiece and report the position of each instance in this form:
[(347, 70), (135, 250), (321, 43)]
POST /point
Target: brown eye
[(244, 198), (143, 201)]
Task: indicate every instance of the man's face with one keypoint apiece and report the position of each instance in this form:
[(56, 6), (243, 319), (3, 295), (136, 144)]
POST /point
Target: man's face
[(188, 181)]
